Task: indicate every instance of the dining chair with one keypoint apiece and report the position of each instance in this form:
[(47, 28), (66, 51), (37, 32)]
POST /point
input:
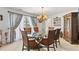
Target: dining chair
[(50, 40), (57, 34), (36, 29), (29, 44), (28, 30)]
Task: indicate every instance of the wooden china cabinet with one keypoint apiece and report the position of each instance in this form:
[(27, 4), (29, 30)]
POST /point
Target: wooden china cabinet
[(71, 27)]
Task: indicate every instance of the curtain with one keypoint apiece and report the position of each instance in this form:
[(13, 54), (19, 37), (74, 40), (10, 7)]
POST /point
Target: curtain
[(34, 24), (34, 21), (15, 20)]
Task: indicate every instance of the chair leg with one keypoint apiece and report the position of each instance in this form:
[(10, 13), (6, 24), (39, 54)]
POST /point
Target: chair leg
[(38, 47), (23, 47), (48, 48), (56, 43), (54, 47), (59, 41), (28, 49)]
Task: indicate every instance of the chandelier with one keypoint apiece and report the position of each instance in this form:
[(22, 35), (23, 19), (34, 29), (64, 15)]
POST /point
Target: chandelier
[(42, 17)]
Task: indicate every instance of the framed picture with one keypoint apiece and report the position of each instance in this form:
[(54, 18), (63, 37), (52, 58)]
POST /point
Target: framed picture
[(57, 21), (1, 17)]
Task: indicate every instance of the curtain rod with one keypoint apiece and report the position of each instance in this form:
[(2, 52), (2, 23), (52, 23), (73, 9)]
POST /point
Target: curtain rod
[(19, 13), (14, 12)]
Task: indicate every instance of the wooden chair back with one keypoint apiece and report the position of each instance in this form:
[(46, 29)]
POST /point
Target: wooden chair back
[(51, 36), (25, 38), (36, 29), (57, 33), (28, 30), (50, 40), (27, 42)]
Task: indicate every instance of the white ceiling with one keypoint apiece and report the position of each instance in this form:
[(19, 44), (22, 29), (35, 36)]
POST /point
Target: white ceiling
[(48, 10)]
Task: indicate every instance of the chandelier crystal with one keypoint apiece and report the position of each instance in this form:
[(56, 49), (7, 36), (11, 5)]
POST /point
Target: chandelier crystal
[(42, 17)]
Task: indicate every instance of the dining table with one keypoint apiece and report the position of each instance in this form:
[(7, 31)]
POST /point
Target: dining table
[(36, 36)]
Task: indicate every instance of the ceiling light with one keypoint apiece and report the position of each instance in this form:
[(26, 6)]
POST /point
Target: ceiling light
[(42, 17)]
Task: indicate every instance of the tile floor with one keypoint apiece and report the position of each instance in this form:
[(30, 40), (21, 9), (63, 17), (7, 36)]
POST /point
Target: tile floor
[(17, 46)]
